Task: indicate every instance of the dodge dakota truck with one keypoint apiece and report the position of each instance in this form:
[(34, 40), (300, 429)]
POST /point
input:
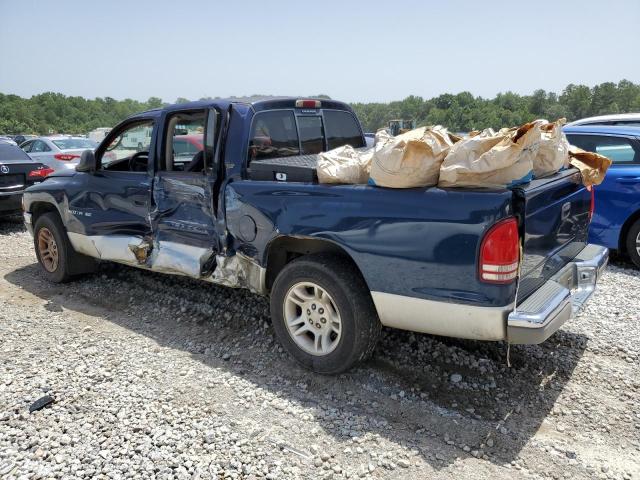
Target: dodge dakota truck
[(240, 205)]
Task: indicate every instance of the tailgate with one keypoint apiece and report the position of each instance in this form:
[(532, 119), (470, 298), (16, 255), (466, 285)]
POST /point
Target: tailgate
[(554, 227)]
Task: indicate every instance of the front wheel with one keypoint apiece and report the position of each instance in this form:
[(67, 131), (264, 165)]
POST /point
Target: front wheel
[(59, 261), (323, 313), (633, 243)]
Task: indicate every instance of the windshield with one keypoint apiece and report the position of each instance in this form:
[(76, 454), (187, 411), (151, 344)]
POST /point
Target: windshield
[(71, 143)]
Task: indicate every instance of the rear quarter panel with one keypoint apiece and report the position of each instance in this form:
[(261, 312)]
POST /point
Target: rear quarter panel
[(420, 243)]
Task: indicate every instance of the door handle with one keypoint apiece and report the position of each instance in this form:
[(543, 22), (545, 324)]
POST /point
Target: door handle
[(628, 180)]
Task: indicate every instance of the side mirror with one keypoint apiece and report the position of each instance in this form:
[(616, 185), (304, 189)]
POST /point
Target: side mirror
[(87, 162)]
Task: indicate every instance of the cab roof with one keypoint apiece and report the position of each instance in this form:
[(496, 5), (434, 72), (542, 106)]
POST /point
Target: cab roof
[(257, 103)]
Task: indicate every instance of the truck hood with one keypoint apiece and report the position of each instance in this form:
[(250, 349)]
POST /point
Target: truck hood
[(63, 173)]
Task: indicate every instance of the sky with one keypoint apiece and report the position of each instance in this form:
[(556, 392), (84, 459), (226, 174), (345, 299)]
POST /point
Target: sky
[(355, 51)]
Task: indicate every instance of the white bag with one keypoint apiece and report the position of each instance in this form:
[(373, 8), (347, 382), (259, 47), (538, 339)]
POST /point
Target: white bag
[(553, 149), (344, 165), (491, 159), (411, 159)]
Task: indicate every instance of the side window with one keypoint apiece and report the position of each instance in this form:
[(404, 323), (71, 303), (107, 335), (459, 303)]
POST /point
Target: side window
[(619, 149), (184, 147), (273, 134), (341, 128), (129, 140), (629, 123), (179, 146), (39, 147), (27, 146)]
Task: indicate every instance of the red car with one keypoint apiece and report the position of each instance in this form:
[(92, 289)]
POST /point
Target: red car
[(187, 145)]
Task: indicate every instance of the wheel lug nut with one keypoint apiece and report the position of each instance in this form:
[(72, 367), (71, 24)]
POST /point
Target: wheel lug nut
[(321, 311), (311, 321), (313, 306), (317, 325), (323, 320), (308, 312)]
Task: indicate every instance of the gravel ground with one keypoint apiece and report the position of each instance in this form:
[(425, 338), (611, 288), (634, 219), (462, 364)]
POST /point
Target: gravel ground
[(165, 377)]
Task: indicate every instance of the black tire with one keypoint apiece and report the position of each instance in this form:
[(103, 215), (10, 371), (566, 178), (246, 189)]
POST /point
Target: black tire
[(361, 326), (69, 262), (633, 237)]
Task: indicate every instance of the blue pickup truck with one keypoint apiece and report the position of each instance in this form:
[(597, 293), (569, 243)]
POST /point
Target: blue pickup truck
[(227, 192)]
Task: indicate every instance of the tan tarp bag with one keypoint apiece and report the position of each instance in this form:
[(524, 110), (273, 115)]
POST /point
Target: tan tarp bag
[(552, 154), (411, 159), (490, 159), (344, 165), (592, 166)]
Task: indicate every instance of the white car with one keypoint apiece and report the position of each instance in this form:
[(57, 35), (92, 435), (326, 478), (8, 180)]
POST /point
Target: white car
[(8, 140), (58, 153), (620, 119)]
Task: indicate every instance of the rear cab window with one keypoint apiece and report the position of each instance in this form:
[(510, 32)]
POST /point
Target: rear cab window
[(290, 132), (273, 134), (341, 128)]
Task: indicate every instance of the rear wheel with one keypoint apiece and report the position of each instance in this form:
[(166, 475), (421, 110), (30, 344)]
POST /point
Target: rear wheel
[(633, 243), (59, 261), (323, 313)]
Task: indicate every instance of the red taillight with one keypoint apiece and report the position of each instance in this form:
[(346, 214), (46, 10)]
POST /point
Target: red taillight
[(65, 157), (40, 173), (500, 253), (308, 104), (592, 207)]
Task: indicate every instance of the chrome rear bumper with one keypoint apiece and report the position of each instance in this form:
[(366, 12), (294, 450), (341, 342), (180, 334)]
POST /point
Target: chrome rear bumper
[(558, 299)]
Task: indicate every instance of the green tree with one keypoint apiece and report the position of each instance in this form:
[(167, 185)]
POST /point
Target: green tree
[(53, 112)]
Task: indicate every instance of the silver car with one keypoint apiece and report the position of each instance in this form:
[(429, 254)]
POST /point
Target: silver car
[(58, 153), (9, 140)]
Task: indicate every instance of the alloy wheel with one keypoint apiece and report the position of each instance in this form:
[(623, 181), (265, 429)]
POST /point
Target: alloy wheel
[(312, 318), (48, 250)]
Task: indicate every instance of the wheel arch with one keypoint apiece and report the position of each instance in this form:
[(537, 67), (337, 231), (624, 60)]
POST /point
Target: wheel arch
[(624, 231), (38, 208), (284, 249)]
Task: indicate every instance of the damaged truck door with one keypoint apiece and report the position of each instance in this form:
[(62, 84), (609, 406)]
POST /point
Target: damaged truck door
[(183, 236), (108, 210)]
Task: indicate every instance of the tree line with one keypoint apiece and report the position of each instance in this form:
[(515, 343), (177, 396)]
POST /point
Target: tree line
[(56, 113), (464, 112)]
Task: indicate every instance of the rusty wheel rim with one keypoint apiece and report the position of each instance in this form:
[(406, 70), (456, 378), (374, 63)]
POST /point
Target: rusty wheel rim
[(48, 250)]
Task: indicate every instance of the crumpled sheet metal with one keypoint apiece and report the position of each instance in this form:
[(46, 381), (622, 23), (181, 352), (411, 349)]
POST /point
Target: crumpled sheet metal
[(177, 258), (239, 271)]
